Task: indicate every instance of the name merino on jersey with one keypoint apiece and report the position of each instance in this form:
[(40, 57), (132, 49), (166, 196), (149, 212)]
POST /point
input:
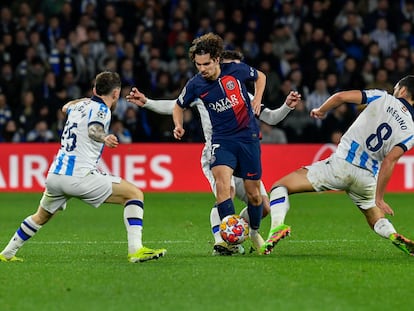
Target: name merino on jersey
[(397, 117), (78, 154)]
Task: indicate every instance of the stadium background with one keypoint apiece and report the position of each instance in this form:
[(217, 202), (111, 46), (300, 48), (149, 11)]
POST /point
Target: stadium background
[(51, 50)]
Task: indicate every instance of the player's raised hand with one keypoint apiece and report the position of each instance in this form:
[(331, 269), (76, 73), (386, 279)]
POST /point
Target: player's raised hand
[(178, 132), (384, 207), (317, 113), (256, 106), (111, 141), (136, 97), (293, 99), (72, 102)]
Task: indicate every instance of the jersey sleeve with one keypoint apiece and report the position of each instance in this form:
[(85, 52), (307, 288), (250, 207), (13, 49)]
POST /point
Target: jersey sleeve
[(370, 96), (162, 106), (99, 114), (245, 72), (187, 95)]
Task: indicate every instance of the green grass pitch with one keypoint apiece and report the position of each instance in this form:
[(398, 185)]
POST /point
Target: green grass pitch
[(332, 261)]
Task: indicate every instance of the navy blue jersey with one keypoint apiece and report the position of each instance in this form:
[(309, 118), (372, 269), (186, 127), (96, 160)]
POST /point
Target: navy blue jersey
[(226, 100)]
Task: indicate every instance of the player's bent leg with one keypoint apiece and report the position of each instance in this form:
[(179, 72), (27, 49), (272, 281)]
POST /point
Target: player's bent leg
[(133, 200), (123, 192), (295, 182)]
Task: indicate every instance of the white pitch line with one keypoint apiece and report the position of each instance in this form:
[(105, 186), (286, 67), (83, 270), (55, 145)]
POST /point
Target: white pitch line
[(186, 241)]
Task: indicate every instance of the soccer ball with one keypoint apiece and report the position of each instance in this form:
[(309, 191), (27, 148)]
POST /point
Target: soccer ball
[(234, 229)]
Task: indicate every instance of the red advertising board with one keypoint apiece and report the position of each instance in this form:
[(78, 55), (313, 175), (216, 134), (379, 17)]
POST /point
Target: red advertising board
[(169, 167)]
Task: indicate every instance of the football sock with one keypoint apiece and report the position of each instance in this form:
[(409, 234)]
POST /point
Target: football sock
[(215, 224), (255, 215), (225, 208), (27, 229), (245, 214), (133, 219), (279, 205), (384, 228)]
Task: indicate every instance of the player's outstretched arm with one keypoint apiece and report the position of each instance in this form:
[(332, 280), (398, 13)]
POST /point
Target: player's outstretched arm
[(384, 175), (273, 117), (71, 103), (178, 117), (136, 97), (161, 106), (259, 87), (337, 99)]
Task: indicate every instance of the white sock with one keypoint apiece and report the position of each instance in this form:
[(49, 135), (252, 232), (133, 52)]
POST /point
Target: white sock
[(244, 213), (215, 223), (279, 205), (384, 228), (28, 228), (133, 219)]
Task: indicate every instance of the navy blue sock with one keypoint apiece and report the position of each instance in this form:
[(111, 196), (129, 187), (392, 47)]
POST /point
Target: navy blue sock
[(255, 215), (226, 208)]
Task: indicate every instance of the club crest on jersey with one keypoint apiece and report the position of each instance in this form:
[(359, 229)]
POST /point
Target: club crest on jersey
[(230, 85)]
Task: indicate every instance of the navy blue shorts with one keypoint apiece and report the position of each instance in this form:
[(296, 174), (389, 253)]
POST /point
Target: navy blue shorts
[(243, 157)]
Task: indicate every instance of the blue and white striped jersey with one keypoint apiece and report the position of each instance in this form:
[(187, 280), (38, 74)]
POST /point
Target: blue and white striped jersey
[(386, 122), (79, 154)]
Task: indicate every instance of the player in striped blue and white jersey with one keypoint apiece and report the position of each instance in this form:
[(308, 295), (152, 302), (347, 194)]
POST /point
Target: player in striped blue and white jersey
[(362, 164), (74, 172)]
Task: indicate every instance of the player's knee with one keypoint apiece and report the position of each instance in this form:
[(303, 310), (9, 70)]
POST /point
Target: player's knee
[(255, 198), (136, 193), (131, 192)]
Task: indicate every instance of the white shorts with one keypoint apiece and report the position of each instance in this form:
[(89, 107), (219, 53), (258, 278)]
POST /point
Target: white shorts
[(236, 182), (335, 173), (93, 189)]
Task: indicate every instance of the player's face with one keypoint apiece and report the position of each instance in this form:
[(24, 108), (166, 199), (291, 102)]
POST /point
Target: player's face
[(208, 67)]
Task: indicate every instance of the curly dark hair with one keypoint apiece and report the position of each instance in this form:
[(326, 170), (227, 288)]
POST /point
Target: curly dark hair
[(209, 43)]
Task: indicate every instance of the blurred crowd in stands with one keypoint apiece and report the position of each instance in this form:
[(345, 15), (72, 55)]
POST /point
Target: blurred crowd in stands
[(50, 51)]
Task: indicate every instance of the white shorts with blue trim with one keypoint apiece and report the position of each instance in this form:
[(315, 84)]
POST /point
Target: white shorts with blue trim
[(335, 173), (93, 189)]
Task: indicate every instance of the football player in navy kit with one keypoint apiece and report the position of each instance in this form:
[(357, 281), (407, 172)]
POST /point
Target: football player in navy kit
[(235, 138)]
